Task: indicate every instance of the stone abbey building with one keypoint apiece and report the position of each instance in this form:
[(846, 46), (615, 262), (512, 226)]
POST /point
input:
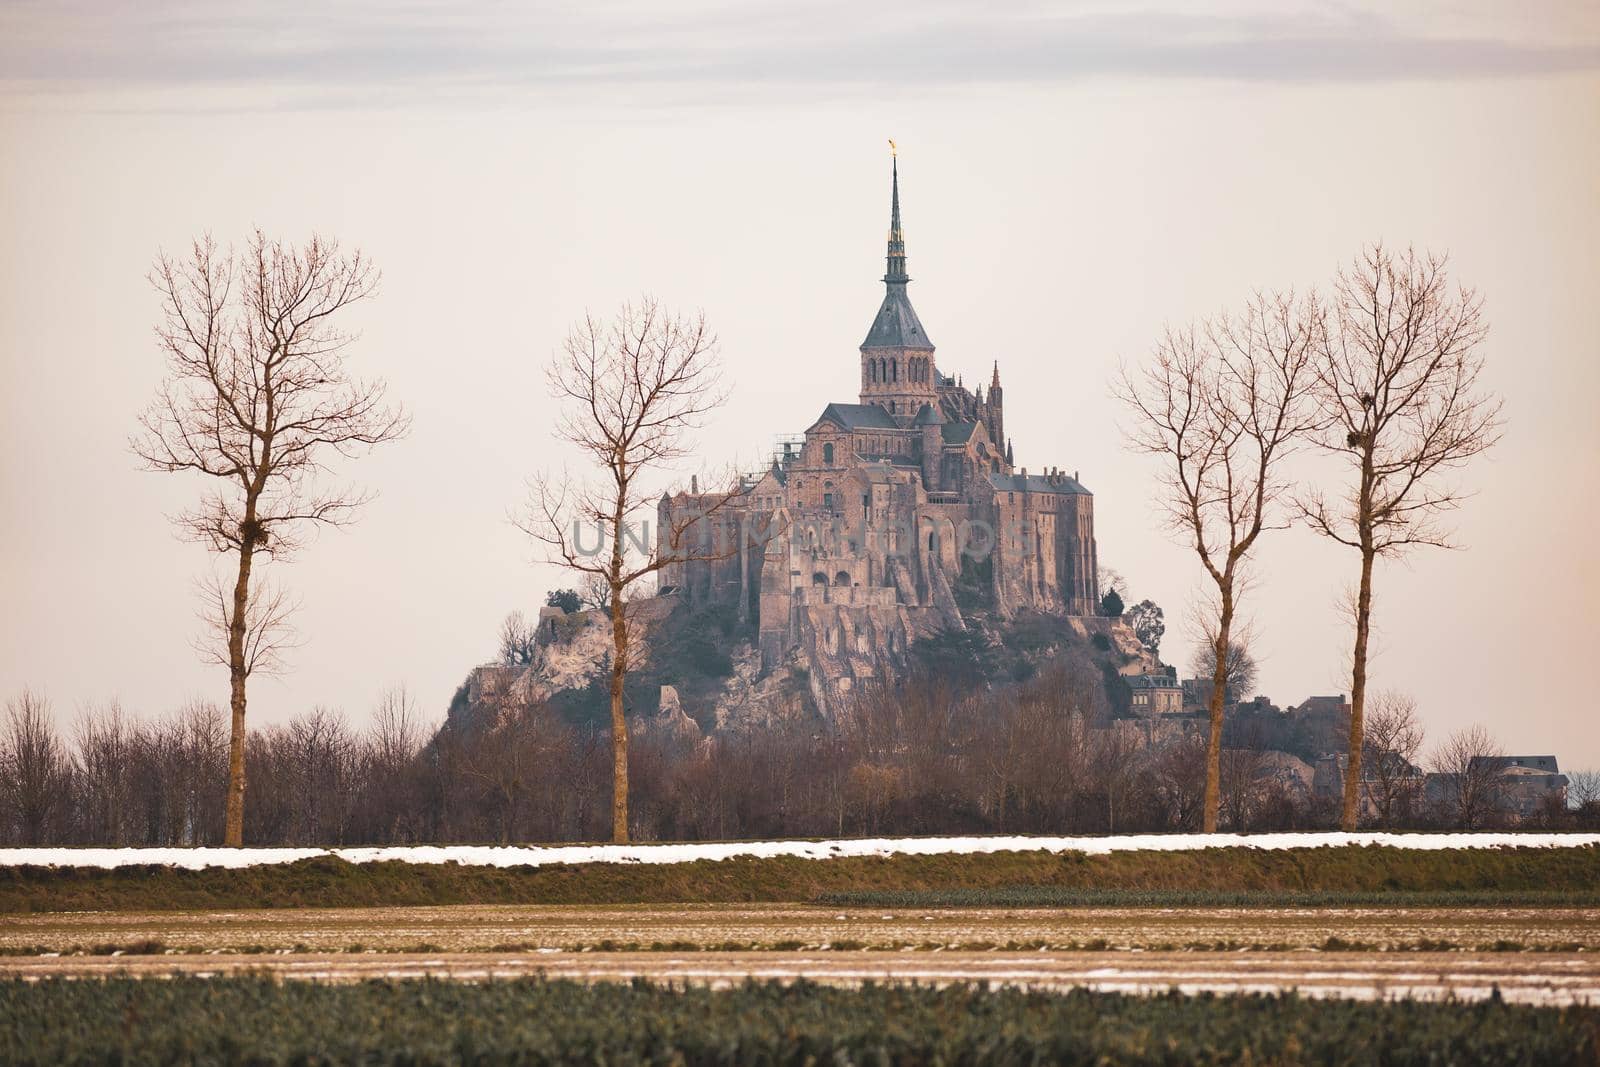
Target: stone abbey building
[(893, 517)]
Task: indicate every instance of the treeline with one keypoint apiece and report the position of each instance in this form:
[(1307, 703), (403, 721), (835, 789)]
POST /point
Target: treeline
[(925, 758)]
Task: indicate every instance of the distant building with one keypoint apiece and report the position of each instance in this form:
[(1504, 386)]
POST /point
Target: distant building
[(1197, 694), (1324, 722), (1393, 778), (874, 527), (1156, 693), (1527, 784)]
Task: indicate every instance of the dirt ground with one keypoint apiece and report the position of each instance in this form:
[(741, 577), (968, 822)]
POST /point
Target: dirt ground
[(481, 928)]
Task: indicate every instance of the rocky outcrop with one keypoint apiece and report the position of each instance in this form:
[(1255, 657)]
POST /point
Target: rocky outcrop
[(847, 645), (670, 722), (711, 675), (572, 650), (752, 698)]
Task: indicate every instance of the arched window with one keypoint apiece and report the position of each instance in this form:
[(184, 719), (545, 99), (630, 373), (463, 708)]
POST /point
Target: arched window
[(894, 370), (930, 540), (827, 453), (842, 578), (818, 578), (872, 367)]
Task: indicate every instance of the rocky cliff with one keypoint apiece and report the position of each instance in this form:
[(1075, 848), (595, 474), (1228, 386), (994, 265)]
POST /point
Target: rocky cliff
[(702, 667)]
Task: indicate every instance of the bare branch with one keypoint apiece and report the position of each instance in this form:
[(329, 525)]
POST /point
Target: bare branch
[(1222, 405), (257, 399), (632, 390), (1397, 388)]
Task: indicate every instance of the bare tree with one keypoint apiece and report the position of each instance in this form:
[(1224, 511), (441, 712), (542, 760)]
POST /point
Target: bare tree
[(1397, 383), (1222, 406), (1244, 766), (34, 770), (632, 388), (395, 736), (1583, 796), (1393, 740), (105, 742), (1471, 769), (595, 592), (1118, 765), (517, 640), (258, 400), (1239, 670), (1178, 778), (1583, 788)]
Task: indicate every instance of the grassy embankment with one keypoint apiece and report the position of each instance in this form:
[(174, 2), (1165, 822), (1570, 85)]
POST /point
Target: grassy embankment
[(256, 1020), (1323, 876)]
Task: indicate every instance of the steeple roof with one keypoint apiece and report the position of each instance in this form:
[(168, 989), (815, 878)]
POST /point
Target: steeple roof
[(896, 324)]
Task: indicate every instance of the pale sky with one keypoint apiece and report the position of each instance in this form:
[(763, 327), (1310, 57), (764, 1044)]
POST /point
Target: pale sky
[(1074, 178)]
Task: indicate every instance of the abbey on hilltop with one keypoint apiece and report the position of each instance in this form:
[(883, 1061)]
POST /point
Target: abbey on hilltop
[(892, 517)]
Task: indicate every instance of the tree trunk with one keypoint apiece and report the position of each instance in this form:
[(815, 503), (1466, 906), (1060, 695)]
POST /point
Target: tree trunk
[(1219, 696), (1350, 820), (238, 671), (619, 724)]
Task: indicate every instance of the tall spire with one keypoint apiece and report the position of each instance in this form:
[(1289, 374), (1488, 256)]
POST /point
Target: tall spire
[(896, 272), (896, 324)]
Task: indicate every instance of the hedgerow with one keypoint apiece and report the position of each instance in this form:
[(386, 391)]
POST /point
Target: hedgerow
[(1055, 896), (417, 1022), (327, 881)]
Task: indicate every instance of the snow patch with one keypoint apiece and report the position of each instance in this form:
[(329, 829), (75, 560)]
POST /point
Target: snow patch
[(545, 855)]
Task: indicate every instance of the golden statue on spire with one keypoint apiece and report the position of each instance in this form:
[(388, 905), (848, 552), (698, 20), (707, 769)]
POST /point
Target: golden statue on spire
[(893, 151)]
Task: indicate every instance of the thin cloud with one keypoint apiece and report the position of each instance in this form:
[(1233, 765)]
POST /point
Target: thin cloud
[(425, 49)]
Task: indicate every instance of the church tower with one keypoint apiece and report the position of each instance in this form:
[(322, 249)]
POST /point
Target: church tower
[(897, 371)]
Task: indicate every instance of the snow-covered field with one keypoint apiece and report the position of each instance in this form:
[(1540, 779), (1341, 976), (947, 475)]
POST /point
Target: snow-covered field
[(542, 855)]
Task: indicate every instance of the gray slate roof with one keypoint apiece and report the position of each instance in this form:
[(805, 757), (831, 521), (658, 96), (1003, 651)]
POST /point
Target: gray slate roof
[(896, 325), (1037, 483), (957, 433), (859, 417)]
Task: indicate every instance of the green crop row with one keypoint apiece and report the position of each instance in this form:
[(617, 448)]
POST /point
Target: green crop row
[(258, 1021)]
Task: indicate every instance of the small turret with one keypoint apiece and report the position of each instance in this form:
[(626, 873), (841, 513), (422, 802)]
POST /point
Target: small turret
[(931, 423), (994, 412)]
